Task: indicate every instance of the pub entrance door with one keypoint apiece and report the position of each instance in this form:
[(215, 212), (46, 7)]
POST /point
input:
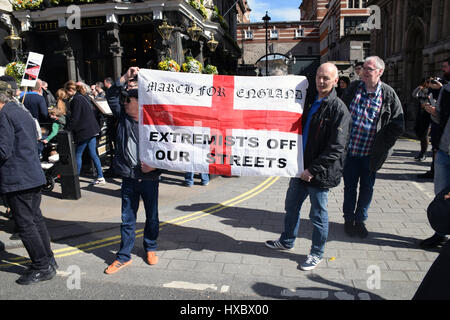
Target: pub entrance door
[(138, 44)]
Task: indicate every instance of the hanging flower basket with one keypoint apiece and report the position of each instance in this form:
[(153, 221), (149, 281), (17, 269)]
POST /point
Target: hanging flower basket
[(15, 69), (210, 69), (169, 65), (26, 4), (192, 66)]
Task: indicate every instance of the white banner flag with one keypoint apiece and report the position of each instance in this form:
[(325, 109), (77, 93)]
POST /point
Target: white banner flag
[(225, 125)]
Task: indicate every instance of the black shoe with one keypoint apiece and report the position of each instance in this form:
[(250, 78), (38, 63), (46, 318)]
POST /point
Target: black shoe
[(360, 230), (349, 228), (426, 175), (433, 242), (34, 276), (53, 263)]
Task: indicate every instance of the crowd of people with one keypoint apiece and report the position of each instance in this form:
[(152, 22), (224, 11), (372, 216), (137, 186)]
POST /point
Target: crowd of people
[(355, 126)]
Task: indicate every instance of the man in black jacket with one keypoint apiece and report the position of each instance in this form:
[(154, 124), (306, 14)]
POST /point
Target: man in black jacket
[(326, 128), (21, 178), (377, 123), (138, 180)]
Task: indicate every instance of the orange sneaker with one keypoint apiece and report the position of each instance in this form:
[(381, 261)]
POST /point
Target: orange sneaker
[(116, 266), (152, 258)]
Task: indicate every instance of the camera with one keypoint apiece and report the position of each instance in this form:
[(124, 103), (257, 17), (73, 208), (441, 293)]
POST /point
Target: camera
[(434, 81)]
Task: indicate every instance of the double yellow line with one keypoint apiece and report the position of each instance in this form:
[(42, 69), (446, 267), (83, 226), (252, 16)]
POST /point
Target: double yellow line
[(89, 246)]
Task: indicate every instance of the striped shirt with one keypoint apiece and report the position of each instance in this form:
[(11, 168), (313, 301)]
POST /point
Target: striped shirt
[(365, 110)]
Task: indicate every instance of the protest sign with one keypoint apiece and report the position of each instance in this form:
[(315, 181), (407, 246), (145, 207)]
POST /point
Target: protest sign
[(226, 125), (32, 69)]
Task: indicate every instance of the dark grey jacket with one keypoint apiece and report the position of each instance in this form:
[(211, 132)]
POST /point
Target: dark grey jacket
[(126, 162), (20, 168), (390, 125)]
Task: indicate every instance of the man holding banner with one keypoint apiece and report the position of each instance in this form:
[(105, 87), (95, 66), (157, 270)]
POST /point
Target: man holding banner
[(326, 128), (138, 179)]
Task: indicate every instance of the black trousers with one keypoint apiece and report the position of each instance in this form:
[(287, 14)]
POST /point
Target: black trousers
[(30, 223)]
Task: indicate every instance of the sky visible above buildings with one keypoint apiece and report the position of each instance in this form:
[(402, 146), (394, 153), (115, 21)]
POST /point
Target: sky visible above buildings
[(278, 10)]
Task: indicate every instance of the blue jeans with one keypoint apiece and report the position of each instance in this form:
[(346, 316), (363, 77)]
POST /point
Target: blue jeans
[(132, 190), (189, 178), (92, 147), (295, 196), (356, 169), (441, 171)]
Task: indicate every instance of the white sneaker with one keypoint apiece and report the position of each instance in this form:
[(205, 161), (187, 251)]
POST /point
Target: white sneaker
[(46, 165), (98, 181), (53, 158), (310, 263)]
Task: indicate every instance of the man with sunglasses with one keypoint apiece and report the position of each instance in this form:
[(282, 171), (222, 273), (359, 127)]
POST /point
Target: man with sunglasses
[(378, 122), (138, 179)]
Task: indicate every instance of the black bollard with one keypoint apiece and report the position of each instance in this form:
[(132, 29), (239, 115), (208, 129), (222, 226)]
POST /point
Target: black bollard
[(67, 166)]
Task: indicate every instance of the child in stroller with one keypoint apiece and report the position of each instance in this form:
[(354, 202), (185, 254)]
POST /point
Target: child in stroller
[(49, 155), (50, 158)]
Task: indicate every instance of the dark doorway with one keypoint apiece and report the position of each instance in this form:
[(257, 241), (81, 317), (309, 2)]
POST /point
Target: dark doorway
[(138, 44)]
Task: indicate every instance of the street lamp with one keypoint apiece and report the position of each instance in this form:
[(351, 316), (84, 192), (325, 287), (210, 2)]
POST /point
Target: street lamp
[(212, 44), (266, 20), (13, 42), (165, 30), (194, 31)]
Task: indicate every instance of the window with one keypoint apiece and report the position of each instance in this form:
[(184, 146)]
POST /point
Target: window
[(364, 4), (273, 34), (248, 34), (299, 33), (354, 3), (366, 50), (351, 23)]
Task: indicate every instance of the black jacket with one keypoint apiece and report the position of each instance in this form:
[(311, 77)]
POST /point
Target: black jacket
[(83, 123), (390, 125), (20, 168), (328, 135)]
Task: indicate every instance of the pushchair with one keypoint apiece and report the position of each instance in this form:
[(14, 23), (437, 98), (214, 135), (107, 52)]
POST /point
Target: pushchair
[(49, 166)]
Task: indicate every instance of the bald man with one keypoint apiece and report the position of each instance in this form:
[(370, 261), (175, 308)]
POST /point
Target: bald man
[(326, 129)]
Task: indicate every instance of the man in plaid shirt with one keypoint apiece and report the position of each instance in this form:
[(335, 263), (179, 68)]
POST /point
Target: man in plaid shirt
[(378, 122)]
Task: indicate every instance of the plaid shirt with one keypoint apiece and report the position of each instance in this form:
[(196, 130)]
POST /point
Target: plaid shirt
[(365, 110)]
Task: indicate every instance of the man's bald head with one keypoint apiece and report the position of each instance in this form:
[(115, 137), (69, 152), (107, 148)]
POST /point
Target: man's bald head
[(326, 78)]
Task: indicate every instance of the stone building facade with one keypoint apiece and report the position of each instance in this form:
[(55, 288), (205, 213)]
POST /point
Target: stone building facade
[(414, 40), (293, 46), (6, 27), (344, 33), (114, 35)]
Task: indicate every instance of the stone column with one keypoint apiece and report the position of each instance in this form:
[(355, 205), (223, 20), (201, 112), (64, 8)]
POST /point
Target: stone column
[(434, 25), (69, 54), (200, 55), (71, 64), (446, 22), (177, 47), (398, 27), (115, 49)]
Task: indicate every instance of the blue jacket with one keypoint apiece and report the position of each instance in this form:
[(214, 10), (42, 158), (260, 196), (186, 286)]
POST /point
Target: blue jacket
[(36, 104), (20, 168)]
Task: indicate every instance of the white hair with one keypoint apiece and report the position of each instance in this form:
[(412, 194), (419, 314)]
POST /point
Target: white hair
[(379, 63), (277, 72)]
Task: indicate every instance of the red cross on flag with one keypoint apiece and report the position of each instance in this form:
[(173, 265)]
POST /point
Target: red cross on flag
[(225, 125)]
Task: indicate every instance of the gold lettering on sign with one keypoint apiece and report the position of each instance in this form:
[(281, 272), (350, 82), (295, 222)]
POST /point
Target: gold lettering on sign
[(136, 18)]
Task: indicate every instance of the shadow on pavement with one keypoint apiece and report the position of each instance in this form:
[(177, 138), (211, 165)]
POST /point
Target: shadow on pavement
[(342, 291)]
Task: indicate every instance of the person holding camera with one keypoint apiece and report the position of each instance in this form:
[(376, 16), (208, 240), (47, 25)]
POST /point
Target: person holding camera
[(440, 114), (423, 119), (138, 179)]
